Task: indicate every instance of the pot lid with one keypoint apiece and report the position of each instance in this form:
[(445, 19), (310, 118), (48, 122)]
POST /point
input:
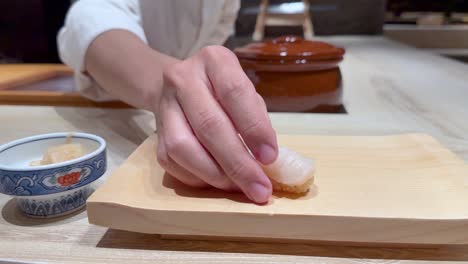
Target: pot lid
[(290, 47)]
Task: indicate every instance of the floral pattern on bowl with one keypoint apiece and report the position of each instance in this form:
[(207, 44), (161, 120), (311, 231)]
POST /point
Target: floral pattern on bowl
[(54, 189), (54, 205), (41, 182)]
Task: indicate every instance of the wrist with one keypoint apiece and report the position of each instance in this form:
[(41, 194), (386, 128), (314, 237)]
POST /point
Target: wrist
[(152, 79)]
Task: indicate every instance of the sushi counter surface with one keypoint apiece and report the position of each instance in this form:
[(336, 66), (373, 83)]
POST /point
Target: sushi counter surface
[(389, 88)]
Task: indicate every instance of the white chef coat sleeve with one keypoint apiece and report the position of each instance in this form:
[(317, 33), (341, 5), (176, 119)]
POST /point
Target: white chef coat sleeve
[(225, 26), (85, 21)]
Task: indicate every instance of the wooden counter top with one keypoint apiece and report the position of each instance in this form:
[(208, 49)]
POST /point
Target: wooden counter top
[(12, 75), (388, 88)]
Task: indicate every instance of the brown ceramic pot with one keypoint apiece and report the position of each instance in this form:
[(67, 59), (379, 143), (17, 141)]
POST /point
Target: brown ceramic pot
[(295, 75)]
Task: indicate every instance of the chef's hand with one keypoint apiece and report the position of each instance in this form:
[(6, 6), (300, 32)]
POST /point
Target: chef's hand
[(201, 105), (206, 102)]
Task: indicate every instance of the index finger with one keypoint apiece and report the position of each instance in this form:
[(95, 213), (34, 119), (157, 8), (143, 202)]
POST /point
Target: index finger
[(237, 95), (216, 133)]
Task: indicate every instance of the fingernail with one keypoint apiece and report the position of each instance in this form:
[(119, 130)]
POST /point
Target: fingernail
[(259, 193), (266, 154)]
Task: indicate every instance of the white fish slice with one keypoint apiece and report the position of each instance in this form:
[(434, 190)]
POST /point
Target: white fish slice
[(291, 172)]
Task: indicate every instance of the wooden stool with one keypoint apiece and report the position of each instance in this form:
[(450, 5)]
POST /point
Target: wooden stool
[(294, 19)]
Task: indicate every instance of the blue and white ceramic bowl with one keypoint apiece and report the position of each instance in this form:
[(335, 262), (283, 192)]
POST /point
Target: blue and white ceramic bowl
[(55, 189)]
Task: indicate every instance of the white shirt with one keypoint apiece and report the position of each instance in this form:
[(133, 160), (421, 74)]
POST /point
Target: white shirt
[(177, 28)]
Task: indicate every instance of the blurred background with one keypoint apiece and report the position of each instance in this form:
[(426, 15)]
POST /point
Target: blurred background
[(28, 30), (28, 27)]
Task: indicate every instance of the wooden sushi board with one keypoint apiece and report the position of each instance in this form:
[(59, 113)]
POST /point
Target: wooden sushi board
[(400, 189)]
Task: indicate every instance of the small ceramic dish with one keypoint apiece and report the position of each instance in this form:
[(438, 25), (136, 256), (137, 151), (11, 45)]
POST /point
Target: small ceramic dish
[(54, 189)]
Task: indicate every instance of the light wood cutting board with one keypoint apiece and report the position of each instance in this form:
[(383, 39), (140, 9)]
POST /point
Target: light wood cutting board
[(402, 189)]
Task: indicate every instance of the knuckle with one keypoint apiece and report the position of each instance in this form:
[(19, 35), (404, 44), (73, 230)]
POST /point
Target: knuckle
[(240, 171), (212, 51), (176, 143), (217, 53), (209, 122), (255, 127), (163, 158), (261, 101), (234, 89), (220, 181), (173, 74)]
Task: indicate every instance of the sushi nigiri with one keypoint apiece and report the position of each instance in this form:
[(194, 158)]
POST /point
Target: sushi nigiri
[(291, 172)]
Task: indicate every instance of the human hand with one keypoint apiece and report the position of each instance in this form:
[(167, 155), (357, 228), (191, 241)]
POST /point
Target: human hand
[(207, 101)]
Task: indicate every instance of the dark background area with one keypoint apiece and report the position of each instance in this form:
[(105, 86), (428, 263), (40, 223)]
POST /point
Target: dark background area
[(330, 17), (28, 28), (446, 6)]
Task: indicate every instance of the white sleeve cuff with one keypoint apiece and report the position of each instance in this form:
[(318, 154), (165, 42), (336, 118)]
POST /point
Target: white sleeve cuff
[(87, 19)]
